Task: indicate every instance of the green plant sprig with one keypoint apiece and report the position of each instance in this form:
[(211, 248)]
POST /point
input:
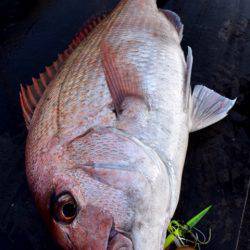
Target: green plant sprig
[(177, 231)]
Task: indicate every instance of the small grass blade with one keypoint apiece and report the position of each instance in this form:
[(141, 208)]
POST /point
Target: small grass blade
[(169, 240), (196, 219)]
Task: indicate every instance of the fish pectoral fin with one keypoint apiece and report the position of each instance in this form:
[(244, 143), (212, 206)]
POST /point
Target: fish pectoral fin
[(207, 107), (175, 20), (121, 76)]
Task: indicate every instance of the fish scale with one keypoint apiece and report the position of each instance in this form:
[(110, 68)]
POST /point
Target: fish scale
[(108, 130)]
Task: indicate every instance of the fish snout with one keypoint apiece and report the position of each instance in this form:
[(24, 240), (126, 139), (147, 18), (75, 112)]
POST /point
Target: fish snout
[(120, 242)]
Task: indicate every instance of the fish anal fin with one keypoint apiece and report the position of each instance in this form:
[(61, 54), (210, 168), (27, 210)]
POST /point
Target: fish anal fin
[(31, 94), (208, 107), (175, 20), (121, 76)]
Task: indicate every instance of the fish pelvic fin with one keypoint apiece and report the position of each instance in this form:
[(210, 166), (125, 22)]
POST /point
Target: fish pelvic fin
[(175, 20), (207, 107), (122, 77), (31, 94)]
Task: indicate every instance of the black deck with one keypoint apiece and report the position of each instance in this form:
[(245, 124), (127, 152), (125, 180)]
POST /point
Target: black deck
[(217, 166)]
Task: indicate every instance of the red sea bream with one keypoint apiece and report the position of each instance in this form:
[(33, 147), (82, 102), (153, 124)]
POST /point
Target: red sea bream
[(108, 126)]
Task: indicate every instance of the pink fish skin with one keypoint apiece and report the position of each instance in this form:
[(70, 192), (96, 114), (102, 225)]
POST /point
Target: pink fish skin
[(108, 137)]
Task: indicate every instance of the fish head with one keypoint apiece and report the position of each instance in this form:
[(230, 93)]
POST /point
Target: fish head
[(110, 192)]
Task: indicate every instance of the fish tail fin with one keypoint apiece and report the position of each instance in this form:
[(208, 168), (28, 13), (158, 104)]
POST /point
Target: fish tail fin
[(207, 107)]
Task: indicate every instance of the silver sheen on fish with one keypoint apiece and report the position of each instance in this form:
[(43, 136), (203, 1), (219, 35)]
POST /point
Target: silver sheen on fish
[(108, 126)]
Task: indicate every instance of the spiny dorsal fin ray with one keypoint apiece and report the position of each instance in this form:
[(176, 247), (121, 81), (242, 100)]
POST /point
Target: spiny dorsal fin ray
[(175, 20), (31, 94), (122, 78)]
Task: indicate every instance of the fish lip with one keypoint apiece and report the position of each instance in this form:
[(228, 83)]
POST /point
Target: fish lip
[(114, 234), (120, 241)]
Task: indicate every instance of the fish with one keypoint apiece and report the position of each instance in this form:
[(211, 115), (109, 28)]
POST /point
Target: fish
[(108, 126)]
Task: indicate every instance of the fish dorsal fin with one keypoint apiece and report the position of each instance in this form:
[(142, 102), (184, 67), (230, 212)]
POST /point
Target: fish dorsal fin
[(175, 20), (31, 94), (122, 77)]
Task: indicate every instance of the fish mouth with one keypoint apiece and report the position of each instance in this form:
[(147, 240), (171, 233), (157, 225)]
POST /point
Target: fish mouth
[(118, 241), (112, 233)]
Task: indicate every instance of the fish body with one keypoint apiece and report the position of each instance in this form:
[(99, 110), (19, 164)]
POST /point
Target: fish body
[(108, 137)]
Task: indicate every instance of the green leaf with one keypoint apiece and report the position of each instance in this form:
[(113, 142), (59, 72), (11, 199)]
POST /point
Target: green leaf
[(174, 229), (169, 240), (196, 219)]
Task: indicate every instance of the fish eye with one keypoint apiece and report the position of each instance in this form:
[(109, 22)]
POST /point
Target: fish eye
[(64, 208)]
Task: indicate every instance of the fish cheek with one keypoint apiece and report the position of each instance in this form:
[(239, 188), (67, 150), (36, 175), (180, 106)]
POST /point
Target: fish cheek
[(61, 236), (90, 230), (69, 236), (64, 210)]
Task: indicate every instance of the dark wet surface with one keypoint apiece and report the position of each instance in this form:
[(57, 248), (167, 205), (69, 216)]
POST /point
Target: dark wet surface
[(217, 172)]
